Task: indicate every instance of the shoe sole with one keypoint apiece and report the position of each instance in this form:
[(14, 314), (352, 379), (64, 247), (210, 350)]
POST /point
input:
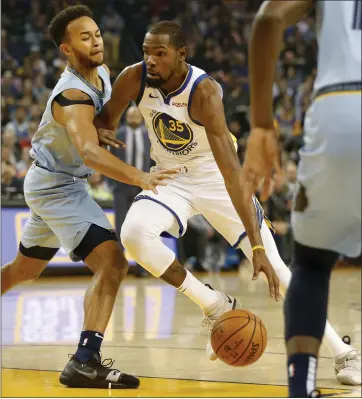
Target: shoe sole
[(84, 382)]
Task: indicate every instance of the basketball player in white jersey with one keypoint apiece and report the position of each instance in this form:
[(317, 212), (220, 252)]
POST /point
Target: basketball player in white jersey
[(326, 216), (184, 114)]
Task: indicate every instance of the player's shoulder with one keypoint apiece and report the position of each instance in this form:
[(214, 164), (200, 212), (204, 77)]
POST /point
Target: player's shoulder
[(75, 94), (207, 87), (134, 71)]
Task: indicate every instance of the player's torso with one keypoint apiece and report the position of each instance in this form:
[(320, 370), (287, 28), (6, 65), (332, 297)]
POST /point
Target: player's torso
[(176, 138), (51, 144), (339, 25)]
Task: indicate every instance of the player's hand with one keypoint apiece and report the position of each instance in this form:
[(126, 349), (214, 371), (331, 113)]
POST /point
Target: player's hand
[(261, 264), (108, 138), (262, 158), (150, 181)]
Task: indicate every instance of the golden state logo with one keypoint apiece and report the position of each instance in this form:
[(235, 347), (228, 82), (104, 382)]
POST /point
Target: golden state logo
[(175, 136)]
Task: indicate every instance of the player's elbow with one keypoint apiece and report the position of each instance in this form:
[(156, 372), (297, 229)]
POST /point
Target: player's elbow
[(88, 153), (268, 15)]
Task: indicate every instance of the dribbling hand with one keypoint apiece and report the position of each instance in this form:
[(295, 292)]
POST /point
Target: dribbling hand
[(261, 264)]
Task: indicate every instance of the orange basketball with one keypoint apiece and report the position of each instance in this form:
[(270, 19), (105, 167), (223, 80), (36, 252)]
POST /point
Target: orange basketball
[(239, 338)]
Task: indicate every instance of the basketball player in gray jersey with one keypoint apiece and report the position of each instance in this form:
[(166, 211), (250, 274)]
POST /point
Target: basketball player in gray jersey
[(66, 151), (326, 217)]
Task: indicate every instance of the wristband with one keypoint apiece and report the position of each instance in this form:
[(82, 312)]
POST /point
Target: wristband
[(258, 247)]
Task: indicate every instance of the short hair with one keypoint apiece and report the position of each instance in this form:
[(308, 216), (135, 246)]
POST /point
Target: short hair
[(172, 29), (60, 22)]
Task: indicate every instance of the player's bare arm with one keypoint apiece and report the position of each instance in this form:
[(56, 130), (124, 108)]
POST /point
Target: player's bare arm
[(125, 89), (208, 109), (78, 119), (263, 150)]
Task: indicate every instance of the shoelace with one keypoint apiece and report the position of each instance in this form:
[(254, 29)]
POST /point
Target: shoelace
[(109, 364), (348, 359), (209, 322), (106, 363), (353, 355)]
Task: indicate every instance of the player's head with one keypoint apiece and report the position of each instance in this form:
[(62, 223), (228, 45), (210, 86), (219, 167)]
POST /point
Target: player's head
[(164, 50), (74, 31), (134, 116)]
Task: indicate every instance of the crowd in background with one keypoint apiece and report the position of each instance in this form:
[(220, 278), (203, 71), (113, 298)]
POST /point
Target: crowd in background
[(217, 36)]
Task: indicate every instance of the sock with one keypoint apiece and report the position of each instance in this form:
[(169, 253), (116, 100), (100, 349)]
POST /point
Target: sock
[(193, 288), (334, 342), (89, 343), (302, 370)]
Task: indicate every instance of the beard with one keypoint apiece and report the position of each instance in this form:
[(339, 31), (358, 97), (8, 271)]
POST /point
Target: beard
[(155, 83), (86, 61), (94, 64)]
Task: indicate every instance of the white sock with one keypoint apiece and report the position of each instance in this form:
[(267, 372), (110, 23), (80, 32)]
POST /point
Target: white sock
[(198, 292), (331, 339)]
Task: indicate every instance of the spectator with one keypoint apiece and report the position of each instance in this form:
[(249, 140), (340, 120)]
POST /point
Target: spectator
[(19, 123), (25, 162), (112, 25), (40, 91), (10, 143), (8, 87), (286, 118)]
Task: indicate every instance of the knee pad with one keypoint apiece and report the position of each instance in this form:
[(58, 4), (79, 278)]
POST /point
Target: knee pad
[(141, 239)]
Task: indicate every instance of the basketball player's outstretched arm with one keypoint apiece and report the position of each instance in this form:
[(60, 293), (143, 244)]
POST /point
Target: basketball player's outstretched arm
[(78, 119), (263, 150), (208, 109)]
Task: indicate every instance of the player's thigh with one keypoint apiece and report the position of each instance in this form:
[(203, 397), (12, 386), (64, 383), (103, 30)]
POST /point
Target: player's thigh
[(214, 203), (327, 204), (162, 213), (37, 247), (70, 212)]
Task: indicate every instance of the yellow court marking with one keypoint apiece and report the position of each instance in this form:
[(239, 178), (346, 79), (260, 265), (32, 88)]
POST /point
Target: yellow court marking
[(31, 383)]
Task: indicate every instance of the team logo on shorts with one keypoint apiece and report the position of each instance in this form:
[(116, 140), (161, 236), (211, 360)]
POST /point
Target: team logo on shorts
[(175, 136)]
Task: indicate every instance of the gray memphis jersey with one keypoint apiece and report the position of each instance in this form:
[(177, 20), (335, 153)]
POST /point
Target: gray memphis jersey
[(51, 144), (339, 25)]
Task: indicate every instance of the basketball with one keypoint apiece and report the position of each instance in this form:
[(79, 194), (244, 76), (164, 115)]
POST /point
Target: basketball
[(239, 338)]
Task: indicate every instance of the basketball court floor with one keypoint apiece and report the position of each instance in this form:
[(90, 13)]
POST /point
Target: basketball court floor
[(156, 333)]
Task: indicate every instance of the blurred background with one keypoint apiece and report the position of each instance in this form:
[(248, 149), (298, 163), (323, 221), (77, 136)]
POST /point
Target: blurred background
[(217, 34)]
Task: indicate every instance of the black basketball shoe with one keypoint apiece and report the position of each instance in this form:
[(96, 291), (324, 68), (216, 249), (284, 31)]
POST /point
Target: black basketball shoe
[(96, 374)]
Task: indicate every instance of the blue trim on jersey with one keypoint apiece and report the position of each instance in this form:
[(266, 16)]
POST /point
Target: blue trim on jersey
[(167, 98), (242, 235), (193, 88), (260, 217), (181, 228), (143, 83)]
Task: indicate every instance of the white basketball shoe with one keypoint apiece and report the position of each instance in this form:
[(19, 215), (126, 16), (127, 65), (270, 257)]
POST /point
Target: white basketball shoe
[(348, 365), (226, 303)]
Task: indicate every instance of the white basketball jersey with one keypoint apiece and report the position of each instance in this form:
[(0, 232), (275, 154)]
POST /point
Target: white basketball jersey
[(176, 138), (339, 40)]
